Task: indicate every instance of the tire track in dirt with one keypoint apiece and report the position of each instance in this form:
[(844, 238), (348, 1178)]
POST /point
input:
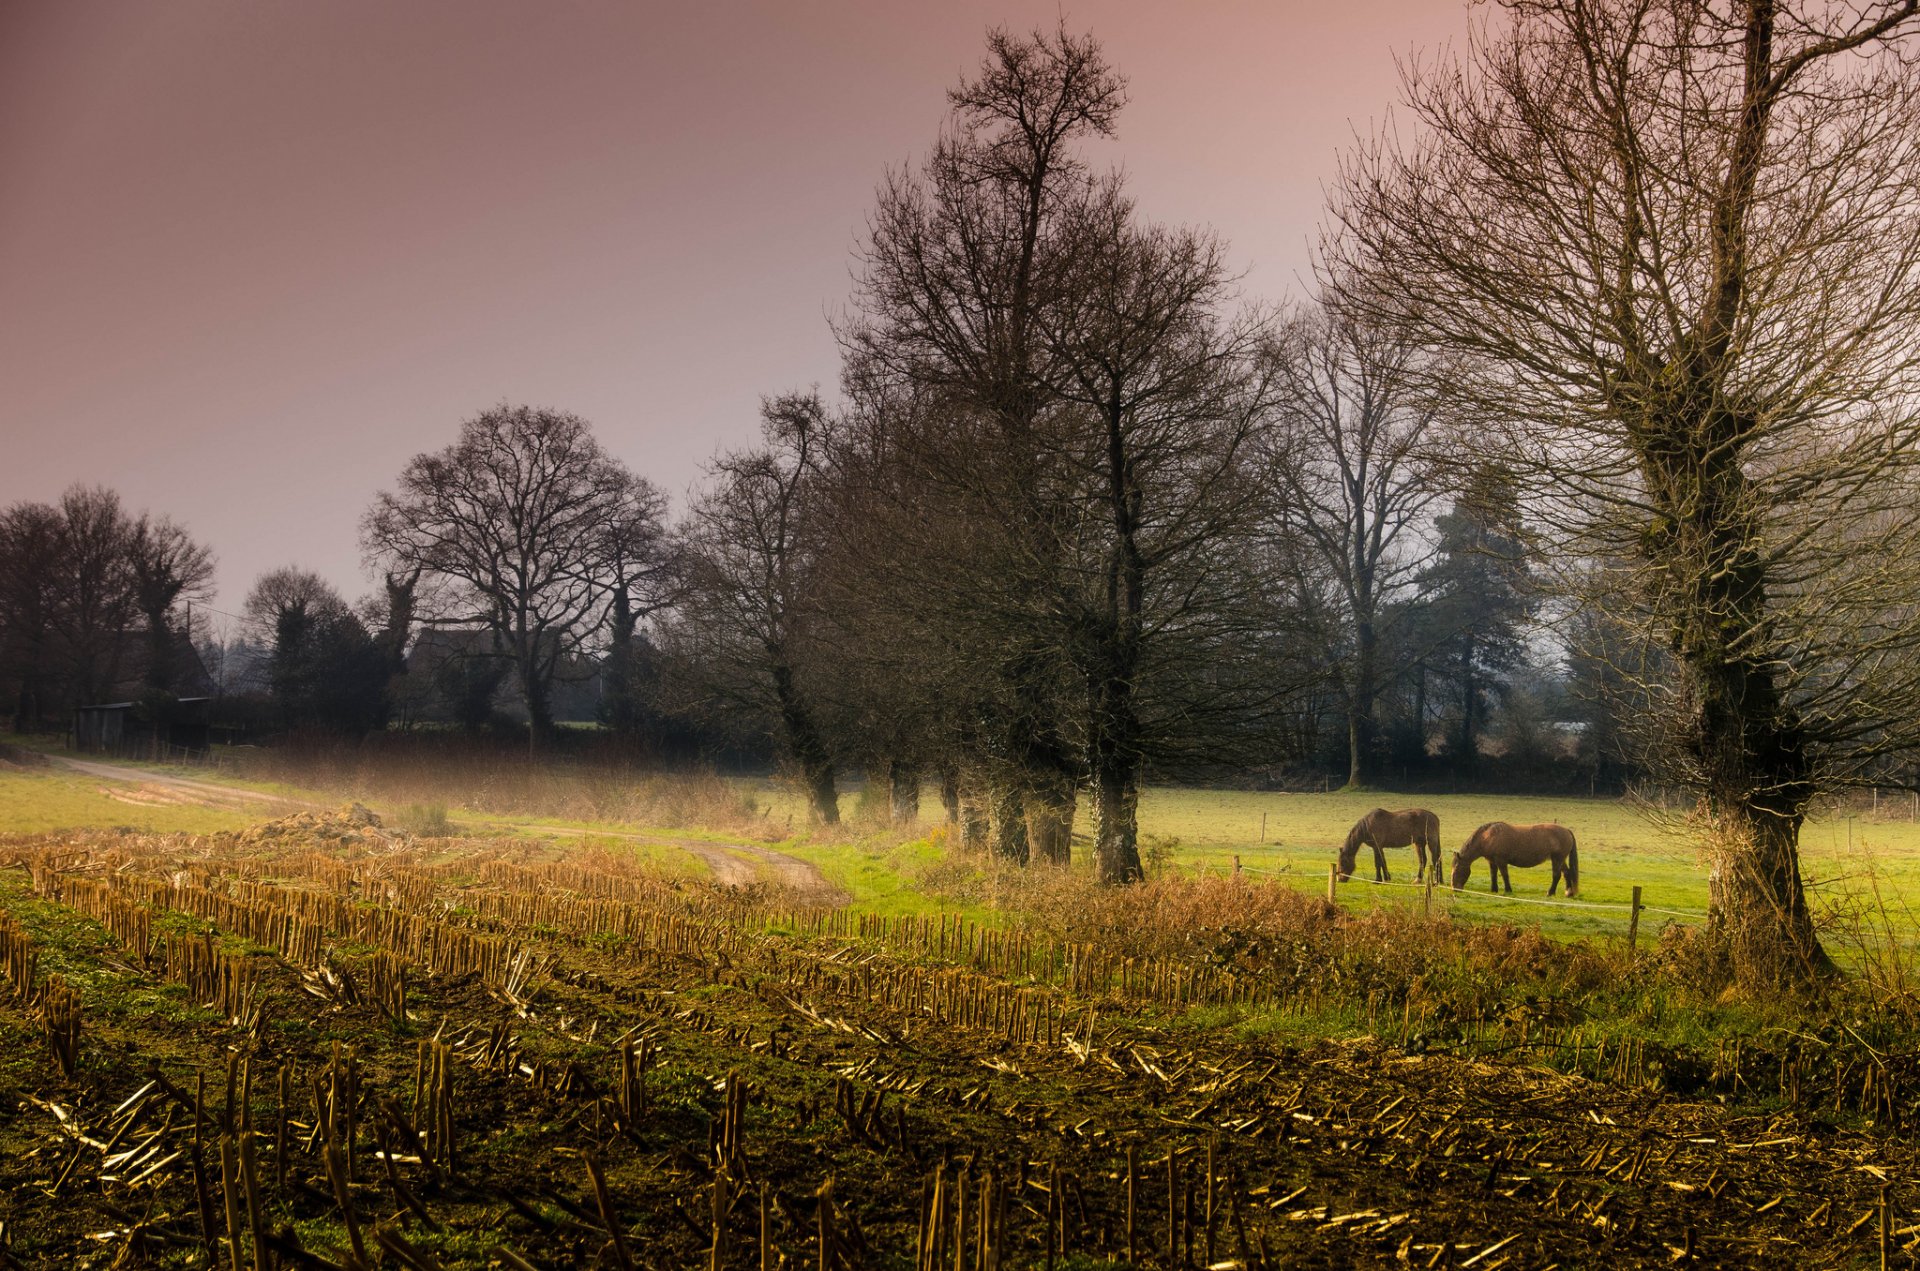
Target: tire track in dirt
[(208, 791)]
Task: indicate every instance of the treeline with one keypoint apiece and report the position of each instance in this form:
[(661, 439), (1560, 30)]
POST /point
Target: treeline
[(96, 605), (1083, 512)]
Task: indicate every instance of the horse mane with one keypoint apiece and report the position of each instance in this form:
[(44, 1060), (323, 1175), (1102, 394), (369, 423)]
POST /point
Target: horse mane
[(1351, 848)]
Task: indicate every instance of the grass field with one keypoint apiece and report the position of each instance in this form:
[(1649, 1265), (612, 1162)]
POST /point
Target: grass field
[(1325, 1072), (1293, 838), (1290, 838)]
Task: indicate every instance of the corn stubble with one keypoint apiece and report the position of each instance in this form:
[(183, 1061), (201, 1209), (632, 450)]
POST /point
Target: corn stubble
[(477, 1054)]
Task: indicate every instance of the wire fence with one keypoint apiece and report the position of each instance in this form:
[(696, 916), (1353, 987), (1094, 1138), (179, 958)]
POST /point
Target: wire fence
[(1632, 908)]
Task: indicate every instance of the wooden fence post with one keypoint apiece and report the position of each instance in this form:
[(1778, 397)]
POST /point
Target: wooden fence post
[(1263, 827), (1333, 884), (1633, 924)]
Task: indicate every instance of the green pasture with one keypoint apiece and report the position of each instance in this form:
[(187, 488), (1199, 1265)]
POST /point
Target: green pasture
[(41, 801), (1621, 845), (1292, 838), (1866, 858)]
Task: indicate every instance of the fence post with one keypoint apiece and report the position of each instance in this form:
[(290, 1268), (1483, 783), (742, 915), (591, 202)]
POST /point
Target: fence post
[(1426, 899), (1633, 924), (1263, 827), (1236, 864), (1333, 884)]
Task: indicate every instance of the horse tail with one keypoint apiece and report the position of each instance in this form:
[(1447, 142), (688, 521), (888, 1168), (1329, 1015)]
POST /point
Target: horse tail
[(1573, 865)]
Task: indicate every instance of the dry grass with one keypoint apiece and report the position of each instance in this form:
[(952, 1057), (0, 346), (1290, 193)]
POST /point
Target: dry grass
[(413, 772)]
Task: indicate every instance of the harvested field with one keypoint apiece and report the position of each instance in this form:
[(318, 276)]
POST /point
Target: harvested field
[(320, 1043)]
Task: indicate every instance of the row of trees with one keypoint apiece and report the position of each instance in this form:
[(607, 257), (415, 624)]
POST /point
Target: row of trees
[(95, 602), (1622, 338), (1086, 513)]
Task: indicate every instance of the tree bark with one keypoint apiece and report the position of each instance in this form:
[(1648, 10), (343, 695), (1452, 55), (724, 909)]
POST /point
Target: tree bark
[(972, 816), (903, 792), (1050, 802), (1117, 842), (1745, 740), (1362, 730), (950, 793), (533, 694), (805, 747), (1008, 821)]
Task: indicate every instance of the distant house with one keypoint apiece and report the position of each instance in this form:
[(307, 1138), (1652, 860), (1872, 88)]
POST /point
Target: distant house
[(143, 728), (134, 720)]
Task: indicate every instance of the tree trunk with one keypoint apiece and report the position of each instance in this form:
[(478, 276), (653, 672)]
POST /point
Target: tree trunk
[(159, 653), (1008, 823), (805, 747), (972, 814), (1117, 843), (1755, 773), (903, 792), (1745, 740), (1116, 778), (621, 716), (1050, 804), (533, 692), (950, 793), (1362, 743)]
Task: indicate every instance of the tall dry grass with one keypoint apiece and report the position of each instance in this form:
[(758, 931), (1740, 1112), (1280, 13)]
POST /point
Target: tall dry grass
[(412, 771)]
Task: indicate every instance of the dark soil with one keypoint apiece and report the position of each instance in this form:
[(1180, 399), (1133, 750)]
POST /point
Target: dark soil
[(862, 1067)]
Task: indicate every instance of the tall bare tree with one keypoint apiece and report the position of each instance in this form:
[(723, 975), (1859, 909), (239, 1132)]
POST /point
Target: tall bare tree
[(1674, 249), (750, 612), (1162, 394), (952, 277), (1351, 486), (513, 519)]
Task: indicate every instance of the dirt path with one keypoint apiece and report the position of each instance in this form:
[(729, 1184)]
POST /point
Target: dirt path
[(209, 790), (732, 864)]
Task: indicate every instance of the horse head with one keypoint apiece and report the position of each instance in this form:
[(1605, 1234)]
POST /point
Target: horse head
[(1476, 847), (1350, 850)]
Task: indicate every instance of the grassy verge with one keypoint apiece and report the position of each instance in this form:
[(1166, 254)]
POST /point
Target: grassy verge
[(41, 801)]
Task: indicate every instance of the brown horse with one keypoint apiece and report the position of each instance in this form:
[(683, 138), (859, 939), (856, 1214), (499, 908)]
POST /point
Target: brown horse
[(1381, 828), (1522, 845)]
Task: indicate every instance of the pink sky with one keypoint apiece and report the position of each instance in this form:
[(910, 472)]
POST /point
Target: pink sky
[(255, 254)]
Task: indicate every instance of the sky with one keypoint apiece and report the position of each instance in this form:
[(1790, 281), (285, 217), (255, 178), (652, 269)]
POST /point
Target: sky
[(255, 254)]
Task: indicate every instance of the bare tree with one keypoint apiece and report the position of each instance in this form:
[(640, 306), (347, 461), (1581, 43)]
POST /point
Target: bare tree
[(952, 278), (93, 580), (513, 519), (1162, 394), (641, 571), (1350, 485), (750, 610), (1674, 250), (29, 599)]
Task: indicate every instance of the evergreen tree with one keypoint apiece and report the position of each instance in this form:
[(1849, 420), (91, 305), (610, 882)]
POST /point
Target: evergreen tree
[(1478, 599)]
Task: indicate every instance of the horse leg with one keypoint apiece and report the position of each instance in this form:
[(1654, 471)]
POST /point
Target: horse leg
[(1380, 871), (1506, 876), (1554, 886)]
